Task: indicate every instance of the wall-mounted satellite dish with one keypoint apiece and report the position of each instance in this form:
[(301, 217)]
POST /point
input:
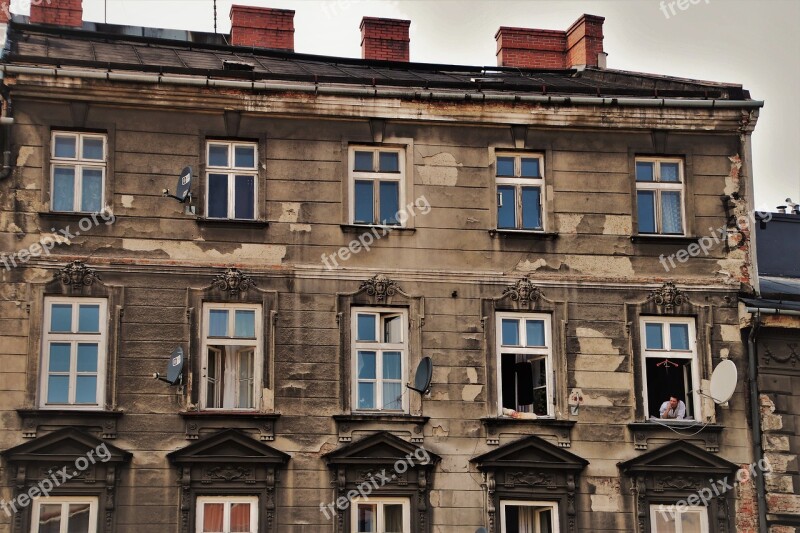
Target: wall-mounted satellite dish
[(183, 190), (422, 379), (481, 530), (723, 381), (174, 369)]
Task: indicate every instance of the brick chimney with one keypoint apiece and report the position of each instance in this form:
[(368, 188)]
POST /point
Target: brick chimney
[(5, 12), (385, 39), (581, 44), (57, 12), (262, 27)]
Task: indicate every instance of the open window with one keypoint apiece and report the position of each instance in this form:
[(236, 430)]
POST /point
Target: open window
[(528, 517), (525, 359)]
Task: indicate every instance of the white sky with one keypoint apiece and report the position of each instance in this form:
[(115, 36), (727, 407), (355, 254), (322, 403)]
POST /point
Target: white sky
[(753, 43)]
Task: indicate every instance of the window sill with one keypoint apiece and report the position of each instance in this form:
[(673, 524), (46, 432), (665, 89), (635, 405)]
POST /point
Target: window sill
[(643, 430), (348, 423), (366, 228), (231, 223), (223, 413), (663, 239), (525, 234), (60, 417), (561, 428)]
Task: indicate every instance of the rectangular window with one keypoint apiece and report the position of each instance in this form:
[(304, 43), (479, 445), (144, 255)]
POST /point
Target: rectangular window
[(384, 515), (73, 353), (231, 180), (78, 172), (232, 356), (528, 517), (524, 361), (684, 519), (669, 359), (380, 359), (64, 515), (227, 514), (660, 196), (520, 192), (376, 185)]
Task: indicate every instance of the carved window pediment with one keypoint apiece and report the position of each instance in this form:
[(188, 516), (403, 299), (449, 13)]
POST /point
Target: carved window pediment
[(530, 452), (229, 446)]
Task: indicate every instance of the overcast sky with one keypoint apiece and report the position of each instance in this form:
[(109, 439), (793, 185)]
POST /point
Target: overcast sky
[(753, 43)]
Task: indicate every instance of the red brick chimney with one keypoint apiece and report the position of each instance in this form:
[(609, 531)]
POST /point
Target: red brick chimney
[(262, 27), (581, 44), (5, 11), (385, 39), (57, 12)]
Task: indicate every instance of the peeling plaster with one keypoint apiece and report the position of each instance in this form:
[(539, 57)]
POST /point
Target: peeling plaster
[(527, 266), (472, 375), (300, 227), (568, 223), (732, 179), (618, 225), (126, 200), (440, 431), (25, 152), (604, 356), (291, 211), (607, 497), (257, 254), (597, 400), (470, 392), (439, 169), (613, 267), (730, 333)]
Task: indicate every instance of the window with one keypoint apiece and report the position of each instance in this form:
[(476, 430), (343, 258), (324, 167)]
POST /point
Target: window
[(528, 517), (231, 190), (524, 352), (227, 514), (659, 196), (520, 192), (376, 185), (232, 351), (688, 519), (78, 171), (669, 351), (64, 515), (387, 515), (73, 352), (380, 355)]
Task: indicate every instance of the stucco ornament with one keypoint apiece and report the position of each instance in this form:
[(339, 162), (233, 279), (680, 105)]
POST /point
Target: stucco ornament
[(380, 287), (668, 296), (76, 274), (234, 281), (523, 291)]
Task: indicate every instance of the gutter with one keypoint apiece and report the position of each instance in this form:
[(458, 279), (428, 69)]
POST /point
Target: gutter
[(365, 91), (6, 121), (755, 414), (772, 311)]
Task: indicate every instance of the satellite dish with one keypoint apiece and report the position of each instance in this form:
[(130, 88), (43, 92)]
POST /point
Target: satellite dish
[(422, 379), (481, 530), (183, 190), (175, 368), (723, 381)]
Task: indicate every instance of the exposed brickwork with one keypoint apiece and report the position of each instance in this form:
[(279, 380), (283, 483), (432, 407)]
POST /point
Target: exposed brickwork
[(5, 11), (262, 27), (57, 12), (385, 39)]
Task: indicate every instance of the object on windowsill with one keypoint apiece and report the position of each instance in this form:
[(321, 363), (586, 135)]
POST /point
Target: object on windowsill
[(516, 414)]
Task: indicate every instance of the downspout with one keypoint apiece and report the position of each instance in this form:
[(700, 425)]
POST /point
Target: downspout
[(755, 413), (6, 121)]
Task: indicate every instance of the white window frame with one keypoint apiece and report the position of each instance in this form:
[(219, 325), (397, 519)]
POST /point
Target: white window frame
[(378, 347), (659, 186), (65, 501), (518, 182), (376, 176), (257, 343), (78, 164), (522, 503), (546, 351), (655, 514), (690, 354), (232, 171), (200, 502), (48, 337), (380, 502)]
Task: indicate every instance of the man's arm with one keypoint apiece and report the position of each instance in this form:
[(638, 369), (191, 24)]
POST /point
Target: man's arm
[(663, 410), (681, 410)]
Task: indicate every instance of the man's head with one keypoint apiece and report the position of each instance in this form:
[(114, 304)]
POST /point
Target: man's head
[(673, 402)]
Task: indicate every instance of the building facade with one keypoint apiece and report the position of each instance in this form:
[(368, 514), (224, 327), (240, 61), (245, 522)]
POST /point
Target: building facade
[(556, 238)]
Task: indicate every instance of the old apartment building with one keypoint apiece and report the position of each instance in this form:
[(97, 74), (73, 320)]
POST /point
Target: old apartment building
[(532, 228)]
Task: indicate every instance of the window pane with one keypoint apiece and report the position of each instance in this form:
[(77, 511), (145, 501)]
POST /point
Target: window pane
[(63, 189), (86, 389), (58, 389), (669, 172), (390, 201), (93, 148), (212, 517), (663, 522), (367, 522), (505, 166), (218, 195), (506, 208), (679, 336), (671, 212), (510, 332), (364, 212), (690, 522), (59, 357), (211, 381), (644, 171), (645, 202), (392, 365), (246, 377), (218, 155), (245, 197), (61, 317), (392, 395), (87, 357), (389, 162), (530, 168), (393, 518), (393, 329), (78, 518), (240, 517), (366, 327), (245, 324), (218, 323), (244, 156), (535, 332), (531, 208), (366, 395), (366, 365), (89, 318), (49, 518), (654, 336), (363, 162), (66, 146), (92, 192)]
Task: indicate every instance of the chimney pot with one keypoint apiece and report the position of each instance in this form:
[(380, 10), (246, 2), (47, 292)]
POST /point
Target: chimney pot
[(262, 27), (57, 12), (385, 39)]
